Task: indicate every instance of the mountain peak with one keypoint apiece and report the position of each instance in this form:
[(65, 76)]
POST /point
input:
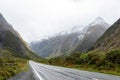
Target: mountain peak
[(99, 21)]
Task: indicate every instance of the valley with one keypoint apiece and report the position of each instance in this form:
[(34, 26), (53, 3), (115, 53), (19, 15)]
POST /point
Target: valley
[(95, 48)]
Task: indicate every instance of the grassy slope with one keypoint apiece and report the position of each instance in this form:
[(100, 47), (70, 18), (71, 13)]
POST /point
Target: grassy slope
[(10, 65), (17, 46), (13, 56), (14, 52)]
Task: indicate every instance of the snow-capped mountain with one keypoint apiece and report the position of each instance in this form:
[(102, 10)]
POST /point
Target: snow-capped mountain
[(79, 38), (99, 20), (91, 33)]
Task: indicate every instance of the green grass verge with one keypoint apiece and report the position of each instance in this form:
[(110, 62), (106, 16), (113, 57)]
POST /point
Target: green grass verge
[(10, 65)]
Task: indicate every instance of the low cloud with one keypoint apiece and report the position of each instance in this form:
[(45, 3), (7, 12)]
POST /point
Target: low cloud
[(36, 19)]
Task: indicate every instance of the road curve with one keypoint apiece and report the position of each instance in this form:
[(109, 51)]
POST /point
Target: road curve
[(47, 72)]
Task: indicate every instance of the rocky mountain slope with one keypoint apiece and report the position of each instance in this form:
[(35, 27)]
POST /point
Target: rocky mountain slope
[(67, 42), (11, 41), (110, 39), (91, 34)]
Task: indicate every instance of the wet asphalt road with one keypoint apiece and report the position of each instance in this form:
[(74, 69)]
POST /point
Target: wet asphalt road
[(46, 72)]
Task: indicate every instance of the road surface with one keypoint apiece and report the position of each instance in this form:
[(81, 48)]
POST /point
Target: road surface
[(46, 72)]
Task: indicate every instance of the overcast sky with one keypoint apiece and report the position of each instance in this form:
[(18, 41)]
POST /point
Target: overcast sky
[(36, 19)]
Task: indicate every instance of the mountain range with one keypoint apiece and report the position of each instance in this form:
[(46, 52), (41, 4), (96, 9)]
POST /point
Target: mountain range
[(76, 39)]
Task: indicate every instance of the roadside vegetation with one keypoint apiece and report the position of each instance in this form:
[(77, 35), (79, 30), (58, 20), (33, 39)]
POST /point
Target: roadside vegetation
[(108, 62), (10, 65)]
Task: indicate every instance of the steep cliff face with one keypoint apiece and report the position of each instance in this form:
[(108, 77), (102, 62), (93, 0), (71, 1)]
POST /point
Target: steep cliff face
[(10, 40), (110, 40)]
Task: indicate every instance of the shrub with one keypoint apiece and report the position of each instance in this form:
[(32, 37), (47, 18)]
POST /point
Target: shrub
[(113, 57)]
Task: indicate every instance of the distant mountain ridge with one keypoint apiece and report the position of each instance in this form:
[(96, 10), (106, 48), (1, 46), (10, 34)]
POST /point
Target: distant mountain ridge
[(80, 39)]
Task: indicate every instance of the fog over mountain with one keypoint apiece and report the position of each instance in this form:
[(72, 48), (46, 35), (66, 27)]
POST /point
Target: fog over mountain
[(76, 39), (38, 19)]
